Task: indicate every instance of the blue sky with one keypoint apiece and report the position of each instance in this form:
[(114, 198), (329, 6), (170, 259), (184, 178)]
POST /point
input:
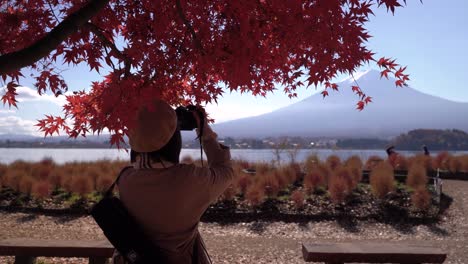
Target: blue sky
[(430, 38)]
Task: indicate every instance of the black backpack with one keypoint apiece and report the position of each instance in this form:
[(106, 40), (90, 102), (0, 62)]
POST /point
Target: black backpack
[(122, 230)]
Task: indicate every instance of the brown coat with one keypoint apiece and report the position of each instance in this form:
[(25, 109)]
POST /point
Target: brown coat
[(168, 203)]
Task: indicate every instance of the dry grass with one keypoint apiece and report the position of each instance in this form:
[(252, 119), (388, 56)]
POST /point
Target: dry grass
[(421, 198), (417, 176), (382, 180)]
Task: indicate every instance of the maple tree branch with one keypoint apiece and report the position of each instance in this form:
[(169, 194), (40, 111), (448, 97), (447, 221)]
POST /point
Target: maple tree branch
[(196, 40), (18, 59), (52, 11), (98, 32)]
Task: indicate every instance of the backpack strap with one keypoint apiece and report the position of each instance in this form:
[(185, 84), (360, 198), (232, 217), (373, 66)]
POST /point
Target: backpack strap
[(109, 191)]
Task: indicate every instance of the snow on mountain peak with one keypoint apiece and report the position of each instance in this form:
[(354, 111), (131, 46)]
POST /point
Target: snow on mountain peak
[(356, 76)]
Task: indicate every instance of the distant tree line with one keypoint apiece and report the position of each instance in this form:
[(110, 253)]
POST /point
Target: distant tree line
[(413, 140), (434, 139)]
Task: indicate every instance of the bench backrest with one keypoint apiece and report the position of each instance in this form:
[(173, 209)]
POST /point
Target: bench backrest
[(56, 248), (372, 252)]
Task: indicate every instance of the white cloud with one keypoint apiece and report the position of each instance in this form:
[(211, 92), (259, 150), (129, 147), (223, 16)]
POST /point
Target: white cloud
[(7, 111), (225, 112), (26, 94), (16, 125)]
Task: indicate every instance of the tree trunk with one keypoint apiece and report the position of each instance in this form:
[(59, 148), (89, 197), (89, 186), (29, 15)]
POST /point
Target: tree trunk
[(27, 56)]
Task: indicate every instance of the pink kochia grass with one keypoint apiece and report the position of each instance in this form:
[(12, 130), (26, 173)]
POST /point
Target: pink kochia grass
[(372, 161), (417, 176), (313, 180), (41, 189), (382, 180), (441, 160), (103, 183), (333, 162), (13, 178), (243, 182), (455, 164), (464, 161), (340, 184), (421, 198), (311, 162), (81, 185), (338, 190), (26, 184), (354, 165), (287, 173), (229, 193), (422, 160), (298, 199), (270, 184), (255, 195), (398, 162), (3, 170)]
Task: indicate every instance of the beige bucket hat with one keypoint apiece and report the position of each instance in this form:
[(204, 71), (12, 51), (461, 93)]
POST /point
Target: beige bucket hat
[(154, 127)]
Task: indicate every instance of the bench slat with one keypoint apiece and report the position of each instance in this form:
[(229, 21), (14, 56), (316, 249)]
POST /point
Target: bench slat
[(56, 248), (371, 252)]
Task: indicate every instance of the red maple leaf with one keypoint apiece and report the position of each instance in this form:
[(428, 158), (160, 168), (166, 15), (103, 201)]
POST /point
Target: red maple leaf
[(182, 55), (324, 93), (360, 105), (10, 95)]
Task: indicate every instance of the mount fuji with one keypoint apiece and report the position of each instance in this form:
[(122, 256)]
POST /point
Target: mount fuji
[(394, 110)]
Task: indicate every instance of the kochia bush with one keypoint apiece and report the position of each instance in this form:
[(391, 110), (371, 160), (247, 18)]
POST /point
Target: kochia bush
[(382, 179)]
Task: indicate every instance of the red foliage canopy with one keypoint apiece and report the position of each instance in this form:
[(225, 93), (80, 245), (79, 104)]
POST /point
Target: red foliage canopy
[(181, 51)]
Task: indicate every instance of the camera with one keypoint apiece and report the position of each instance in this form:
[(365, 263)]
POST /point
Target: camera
[(185, 118)]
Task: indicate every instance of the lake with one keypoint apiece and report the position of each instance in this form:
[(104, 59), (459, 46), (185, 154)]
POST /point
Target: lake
[(60, 156)]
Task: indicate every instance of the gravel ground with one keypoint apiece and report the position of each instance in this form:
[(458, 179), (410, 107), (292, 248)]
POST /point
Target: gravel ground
[(270, 242)]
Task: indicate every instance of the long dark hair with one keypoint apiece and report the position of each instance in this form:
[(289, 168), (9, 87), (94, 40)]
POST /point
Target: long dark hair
[(170, 151)]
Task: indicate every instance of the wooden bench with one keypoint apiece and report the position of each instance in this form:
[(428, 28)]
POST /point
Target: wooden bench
[(337, 253), (26, 250)]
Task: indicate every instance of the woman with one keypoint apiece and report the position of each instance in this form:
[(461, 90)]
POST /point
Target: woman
[(168, 198)]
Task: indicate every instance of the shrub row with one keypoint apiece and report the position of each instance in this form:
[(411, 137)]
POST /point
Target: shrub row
[(334, 177)]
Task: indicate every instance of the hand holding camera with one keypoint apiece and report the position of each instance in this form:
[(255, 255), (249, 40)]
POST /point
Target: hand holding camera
[(194, 117)]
